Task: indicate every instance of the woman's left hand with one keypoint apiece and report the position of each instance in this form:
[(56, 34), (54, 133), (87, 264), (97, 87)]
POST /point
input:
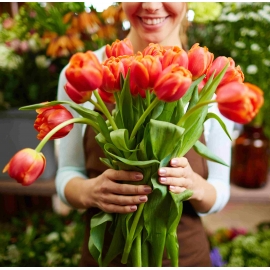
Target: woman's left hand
[(179, 176)]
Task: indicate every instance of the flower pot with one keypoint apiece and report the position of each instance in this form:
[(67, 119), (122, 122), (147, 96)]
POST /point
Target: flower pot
[(250, 158), (17, 132)]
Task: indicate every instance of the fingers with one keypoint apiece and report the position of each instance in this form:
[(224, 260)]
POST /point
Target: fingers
[(123, 175), (121, 203)]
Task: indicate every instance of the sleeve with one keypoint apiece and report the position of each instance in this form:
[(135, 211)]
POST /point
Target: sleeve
[(71, 162), (219, 144), (70, 148)]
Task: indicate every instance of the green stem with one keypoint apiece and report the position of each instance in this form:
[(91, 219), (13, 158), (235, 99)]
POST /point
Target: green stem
[(66, 123), (143, 116), (95, 104), (130, 236), (105, 110), (137, 262), (192, 110)]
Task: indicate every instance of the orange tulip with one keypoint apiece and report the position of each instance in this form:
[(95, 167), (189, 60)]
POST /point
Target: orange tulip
[(75, 95), (173, 83), (145, 71), (119, 47), (50, 117), (26, 166), (84, 71), (155, 50), (233, 74), (135, 89), (200, 60), (238, 102), (175, 55), (112, 68), (106, 97)]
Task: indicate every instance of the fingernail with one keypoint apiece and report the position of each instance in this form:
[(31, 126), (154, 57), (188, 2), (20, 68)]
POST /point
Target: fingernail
[(162, 179), (172, 187), (138, 176), (133, 207), (147, 189), (143, 198), (162, 171), (173, 162)]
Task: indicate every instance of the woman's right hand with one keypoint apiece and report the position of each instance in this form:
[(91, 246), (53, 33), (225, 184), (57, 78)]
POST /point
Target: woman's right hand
[(106, 193)]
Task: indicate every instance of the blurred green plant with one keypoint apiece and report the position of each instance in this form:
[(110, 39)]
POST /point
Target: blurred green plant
[(243, 249), (241, 31), (42, 239)]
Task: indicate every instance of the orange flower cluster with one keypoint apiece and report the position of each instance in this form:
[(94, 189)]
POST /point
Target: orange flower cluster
[(165, 72)]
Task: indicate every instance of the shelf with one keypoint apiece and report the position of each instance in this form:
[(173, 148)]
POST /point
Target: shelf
[(39, 188), (258, 195)]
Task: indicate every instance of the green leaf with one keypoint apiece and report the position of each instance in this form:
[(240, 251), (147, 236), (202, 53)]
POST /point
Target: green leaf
[(167, 112), (202, 150), (95, 116), (97, 232), (109, 148), (161, 132), (194, 99), (120, 138), (125, 106), (186, 98), (158, 110), (208, 92), (178, 112), (215, 116), (43, 105)]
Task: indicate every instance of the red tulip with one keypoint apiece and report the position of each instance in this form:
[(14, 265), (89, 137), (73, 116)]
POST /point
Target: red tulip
[(112, 69), (238, 102), (173, 83), (119, 47), (26, 166), (233, 74), (106, 97), (135, 89), (175, 55), (75, 95), (50, 117), (84, 71), (145, 71), (200, 60), (126, 61)]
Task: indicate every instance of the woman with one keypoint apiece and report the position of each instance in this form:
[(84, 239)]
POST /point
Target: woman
[(83, 182)]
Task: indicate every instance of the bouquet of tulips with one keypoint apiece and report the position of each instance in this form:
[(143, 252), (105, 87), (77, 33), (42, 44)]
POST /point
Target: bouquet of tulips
[(161, 98)]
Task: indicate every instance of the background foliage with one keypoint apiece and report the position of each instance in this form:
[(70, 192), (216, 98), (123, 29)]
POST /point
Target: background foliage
[(241, 31)]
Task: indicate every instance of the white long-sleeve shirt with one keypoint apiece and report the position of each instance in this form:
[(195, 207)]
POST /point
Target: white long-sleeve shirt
[(71, 161)]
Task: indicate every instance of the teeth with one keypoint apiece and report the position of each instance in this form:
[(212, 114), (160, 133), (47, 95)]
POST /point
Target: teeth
[(153, 21)]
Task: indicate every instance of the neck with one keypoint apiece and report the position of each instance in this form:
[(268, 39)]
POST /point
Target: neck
[(139, 44)]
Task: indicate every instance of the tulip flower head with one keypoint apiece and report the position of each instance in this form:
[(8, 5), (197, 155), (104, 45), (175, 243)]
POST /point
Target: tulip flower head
[(145, 71), (233, 73), (173, 83), (84, 71), (112, 70), (26, 166), (200, 59), (106, 96), (175, 55), (75, 95), (238, 102), (119, 47), (50, 117)]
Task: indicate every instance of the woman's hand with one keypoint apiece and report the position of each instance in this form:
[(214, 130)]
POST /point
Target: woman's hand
[(180, 177), (110, 196)]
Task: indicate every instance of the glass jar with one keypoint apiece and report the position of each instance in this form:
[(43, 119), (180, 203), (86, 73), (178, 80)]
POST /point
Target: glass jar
[(250, 158)]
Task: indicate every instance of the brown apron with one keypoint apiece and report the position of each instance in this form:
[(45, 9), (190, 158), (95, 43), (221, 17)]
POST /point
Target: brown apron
[(193, 244)]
